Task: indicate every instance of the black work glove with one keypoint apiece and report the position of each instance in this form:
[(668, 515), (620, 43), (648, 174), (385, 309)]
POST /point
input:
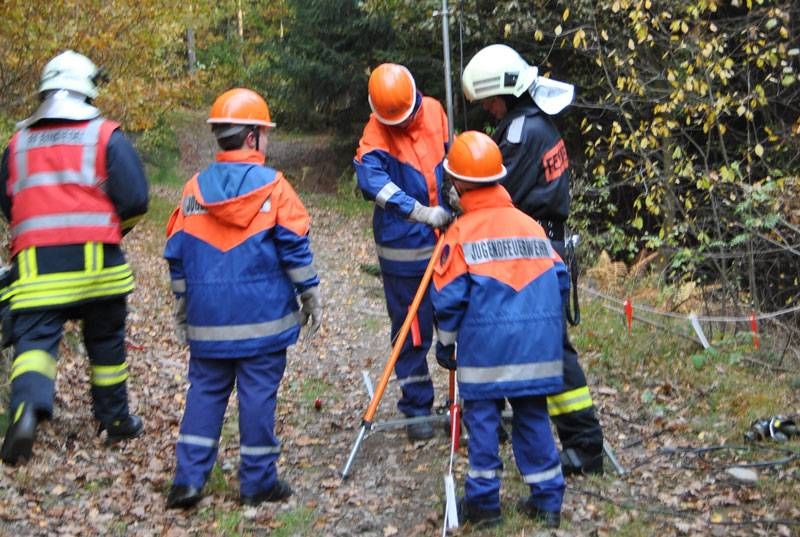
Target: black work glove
[(445, 355)]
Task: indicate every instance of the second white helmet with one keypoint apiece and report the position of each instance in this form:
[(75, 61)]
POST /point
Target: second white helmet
[(70, 71), (497, 70)]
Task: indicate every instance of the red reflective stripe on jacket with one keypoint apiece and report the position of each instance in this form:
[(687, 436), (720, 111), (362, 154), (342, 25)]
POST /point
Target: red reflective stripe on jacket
[(55, 178), (422, 147)]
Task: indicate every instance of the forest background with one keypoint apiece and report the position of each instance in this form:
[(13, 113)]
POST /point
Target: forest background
[(684, 141), (683, 138)]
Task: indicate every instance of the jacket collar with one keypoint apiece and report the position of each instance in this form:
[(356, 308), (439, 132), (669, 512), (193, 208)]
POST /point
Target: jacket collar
[(242, 155), (493, 196)]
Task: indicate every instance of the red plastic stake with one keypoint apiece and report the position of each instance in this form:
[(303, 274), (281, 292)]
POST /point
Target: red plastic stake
[(754, 329), (629, 314)]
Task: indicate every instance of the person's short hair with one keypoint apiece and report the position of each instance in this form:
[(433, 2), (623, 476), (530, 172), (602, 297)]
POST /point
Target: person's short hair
[(230, 136)]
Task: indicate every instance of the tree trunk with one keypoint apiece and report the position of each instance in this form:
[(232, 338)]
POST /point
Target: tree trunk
[(191, 55)]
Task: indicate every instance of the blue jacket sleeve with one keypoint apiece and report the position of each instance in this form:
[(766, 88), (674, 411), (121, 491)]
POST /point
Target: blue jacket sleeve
[(172, 253), (127, 184), (291, 240), (449, 305), (295, 254), (375, 182)]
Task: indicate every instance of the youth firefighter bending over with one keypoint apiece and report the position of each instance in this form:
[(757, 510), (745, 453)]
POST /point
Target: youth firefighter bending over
[(71, 186), (538, 180), (239, 254), (399, 166), (497, 293)]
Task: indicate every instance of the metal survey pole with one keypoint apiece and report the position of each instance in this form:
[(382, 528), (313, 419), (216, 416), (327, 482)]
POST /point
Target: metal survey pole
[(448, 84)]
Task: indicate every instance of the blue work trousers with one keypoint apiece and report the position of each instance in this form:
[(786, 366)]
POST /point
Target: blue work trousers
[(211, 382), (534, 452), (412, 366)]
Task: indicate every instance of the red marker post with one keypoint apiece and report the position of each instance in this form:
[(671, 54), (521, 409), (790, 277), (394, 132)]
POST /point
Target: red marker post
[(754, 330), (628, 314)]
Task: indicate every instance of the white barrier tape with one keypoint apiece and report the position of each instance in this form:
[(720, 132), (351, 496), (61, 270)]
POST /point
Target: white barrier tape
[(699, 331), (368, 383), (702, 318)]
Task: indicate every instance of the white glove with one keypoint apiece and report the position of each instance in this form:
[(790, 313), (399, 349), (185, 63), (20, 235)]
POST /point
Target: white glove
[(433, 216), (454, 200), (181, 330), (311, 308)]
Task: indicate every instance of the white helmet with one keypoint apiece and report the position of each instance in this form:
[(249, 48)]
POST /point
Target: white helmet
[(497, 70), (500, 70), (70, 71)]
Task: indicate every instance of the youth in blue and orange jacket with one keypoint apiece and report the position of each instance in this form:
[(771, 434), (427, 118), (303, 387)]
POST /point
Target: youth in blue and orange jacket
[(399, 166), (497, 294), (239, 254)]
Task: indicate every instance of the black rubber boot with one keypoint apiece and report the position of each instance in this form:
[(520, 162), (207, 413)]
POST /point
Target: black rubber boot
[(119, 430), (548, 519), (574, 462), (419, 431), (183, 497), (279, 492), (477, 516), (18, 443)]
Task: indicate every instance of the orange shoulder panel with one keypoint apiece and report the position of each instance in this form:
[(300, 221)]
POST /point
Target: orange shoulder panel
[(291, 213), (505, 223), (373, 138)]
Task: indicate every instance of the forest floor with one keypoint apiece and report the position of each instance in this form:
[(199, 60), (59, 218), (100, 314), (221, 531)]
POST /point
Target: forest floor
[(76, 485)]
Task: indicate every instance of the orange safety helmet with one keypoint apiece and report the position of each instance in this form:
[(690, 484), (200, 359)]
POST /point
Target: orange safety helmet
[(240, 106), (475, 158), (392, 93)]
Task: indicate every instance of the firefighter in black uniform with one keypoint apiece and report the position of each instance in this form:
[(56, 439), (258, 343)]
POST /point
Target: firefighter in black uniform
[(539, 180), (71, 185)]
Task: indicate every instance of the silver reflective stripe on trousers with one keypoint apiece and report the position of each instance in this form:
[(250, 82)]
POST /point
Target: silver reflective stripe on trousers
[(179, 286), (237, 332), (446, 337), (301, 274), (483, 474), (404, 254), (259, 450), (388, 190), (194, 440), (508, 373), (51, 221), (538, 477), (412, 380), (87, 137)]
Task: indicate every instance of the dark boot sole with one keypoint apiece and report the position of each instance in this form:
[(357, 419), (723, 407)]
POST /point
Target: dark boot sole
[(18, 443), (113, 439), (18, 449)]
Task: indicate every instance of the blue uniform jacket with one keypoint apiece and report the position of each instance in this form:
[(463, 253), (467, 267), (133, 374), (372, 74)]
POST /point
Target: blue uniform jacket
[(497, 293), (238, 251), (397, 167)]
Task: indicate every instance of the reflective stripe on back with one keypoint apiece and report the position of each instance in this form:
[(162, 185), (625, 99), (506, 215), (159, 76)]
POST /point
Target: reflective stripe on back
[(510, 373), (87, 136), (242, 331), (62, 220)]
